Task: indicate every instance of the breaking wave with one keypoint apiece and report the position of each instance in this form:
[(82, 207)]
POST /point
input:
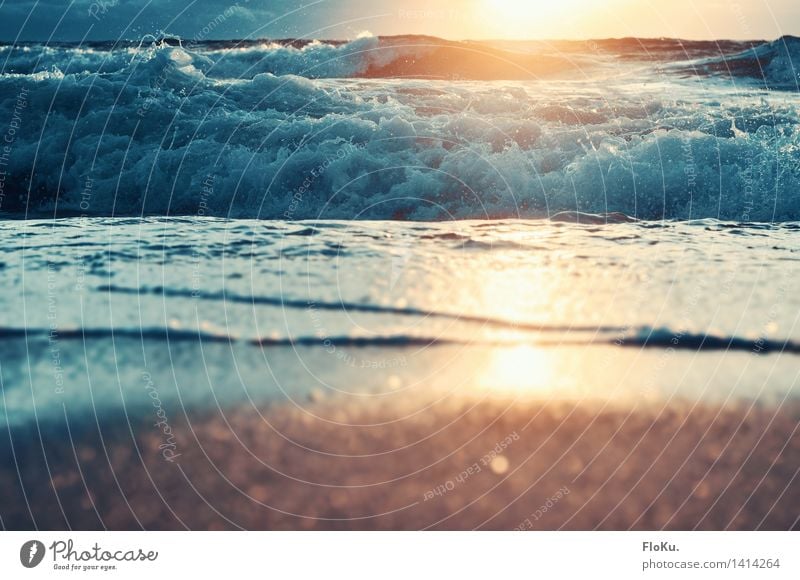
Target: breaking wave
[(775, 64), (307, 130)]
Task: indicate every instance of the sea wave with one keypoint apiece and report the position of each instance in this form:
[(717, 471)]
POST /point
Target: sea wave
[(259, 131), (642, 337), (369, 56), (366, 57), (342, 306), (775, 64)]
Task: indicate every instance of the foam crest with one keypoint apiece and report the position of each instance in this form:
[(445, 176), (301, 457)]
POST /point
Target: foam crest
[(170, 130)]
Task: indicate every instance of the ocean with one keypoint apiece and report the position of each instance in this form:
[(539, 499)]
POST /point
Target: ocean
[(312, 261)]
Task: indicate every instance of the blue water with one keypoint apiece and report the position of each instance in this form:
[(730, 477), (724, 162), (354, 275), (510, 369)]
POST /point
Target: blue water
[(653, 129), (259, 222), (251, 310)]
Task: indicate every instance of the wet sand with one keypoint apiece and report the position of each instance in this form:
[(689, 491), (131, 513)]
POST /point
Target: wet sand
[(449, 465)]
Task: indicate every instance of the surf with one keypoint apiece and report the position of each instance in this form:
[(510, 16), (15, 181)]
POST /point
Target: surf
[(405, 128)]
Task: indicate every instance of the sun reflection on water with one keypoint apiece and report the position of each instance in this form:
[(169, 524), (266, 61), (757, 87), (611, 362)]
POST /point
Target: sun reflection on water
[(518, 368)]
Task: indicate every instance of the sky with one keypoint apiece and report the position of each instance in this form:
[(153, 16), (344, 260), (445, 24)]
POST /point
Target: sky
[(60, 20)]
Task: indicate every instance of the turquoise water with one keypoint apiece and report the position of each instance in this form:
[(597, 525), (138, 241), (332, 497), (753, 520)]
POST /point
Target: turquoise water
[(224, 312)]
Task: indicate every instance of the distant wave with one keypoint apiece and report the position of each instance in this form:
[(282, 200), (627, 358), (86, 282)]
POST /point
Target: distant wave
[(775, 64), (404, 56), (643, 337), (369, 57), (153, 333), (286, 302), (308, 130)]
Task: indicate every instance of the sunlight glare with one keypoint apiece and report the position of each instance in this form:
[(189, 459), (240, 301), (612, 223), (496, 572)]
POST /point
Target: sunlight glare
[(520, 18), (519, 368)]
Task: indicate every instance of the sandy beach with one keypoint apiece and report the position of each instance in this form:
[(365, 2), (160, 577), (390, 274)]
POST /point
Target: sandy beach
[(459, 465)]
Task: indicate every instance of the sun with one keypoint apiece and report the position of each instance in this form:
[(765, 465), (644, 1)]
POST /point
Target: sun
[(530, 18), (508, 9)]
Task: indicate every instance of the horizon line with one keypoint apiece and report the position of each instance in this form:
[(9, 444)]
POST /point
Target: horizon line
[(390, 36)]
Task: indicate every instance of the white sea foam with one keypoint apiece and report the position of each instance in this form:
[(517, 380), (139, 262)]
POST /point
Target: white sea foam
[(248, 132)]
